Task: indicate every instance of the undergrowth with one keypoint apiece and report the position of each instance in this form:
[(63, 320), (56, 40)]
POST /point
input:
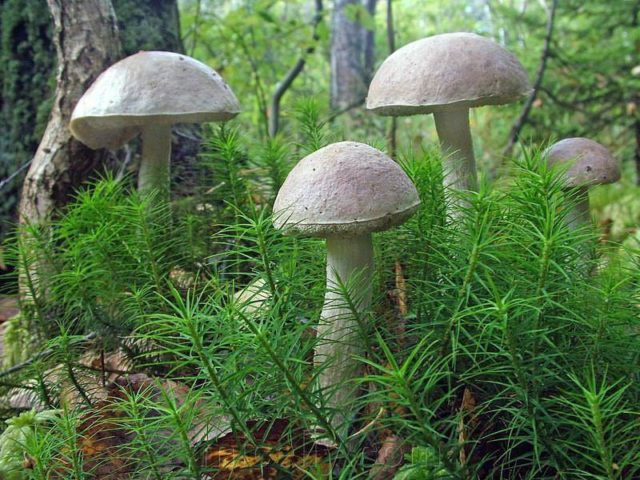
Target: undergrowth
[(501, 344)]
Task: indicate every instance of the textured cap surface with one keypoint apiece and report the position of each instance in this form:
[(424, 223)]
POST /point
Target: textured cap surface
[(150, 87), (452, 70), (592, 164), (345, 188)]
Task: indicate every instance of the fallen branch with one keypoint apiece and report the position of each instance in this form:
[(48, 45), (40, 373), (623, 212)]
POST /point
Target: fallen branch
[(42, 354)]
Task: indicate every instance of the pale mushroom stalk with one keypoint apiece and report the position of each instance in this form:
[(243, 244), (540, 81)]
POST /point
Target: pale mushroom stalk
[(343, 193), (350, 264), (446, 75), (154, 173), (580, 215), (454, 133)]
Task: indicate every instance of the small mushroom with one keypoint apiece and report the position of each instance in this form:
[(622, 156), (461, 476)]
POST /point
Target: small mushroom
[(447, 75), (344, 192), (590, 164), (146, 94)]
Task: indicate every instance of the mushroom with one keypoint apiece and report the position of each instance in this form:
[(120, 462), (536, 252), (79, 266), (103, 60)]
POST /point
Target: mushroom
[(344, 192), (146, 94), (589, 164), (447, 75)]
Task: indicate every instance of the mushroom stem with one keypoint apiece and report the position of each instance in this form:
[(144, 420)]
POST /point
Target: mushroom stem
[(579, 216), (454, 133), (350, 263), (155, 164)]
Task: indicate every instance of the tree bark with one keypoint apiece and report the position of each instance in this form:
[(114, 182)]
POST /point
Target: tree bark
[(86, 40), (370, 43), (348, 75)]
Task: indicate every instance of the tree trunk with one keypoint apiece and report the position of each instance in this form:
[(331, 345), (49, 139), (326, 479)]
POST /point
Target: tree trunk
[(370, 43), (349, 80), (86, 40)]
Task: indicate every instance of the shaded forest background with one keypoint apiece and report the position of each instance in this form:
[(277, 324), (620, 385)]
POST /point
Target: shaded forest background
[(581, 56)]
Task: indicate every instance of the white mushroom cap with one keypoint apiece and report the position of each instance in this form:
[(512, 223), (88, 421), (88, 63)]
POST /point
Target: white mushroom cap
[(591, 163), (150, 88), (451, 70), (345, 188)]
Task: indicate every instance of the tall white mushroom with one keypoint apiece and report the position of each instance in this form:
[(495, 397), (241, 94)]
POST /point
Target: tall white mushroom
[(447, 75), (343, 193), (146, 94), (589, 164)]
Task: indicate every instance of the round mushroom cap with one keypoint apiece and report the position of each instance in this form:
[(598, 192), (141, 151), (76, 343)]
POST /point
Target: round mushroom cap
[(591, 163), (345, 189), (451, 70), (150, 88)]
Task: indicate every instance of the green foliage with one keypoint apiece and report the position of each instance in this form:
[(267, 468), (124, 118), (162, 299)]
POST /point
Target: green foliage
[(150, 25), (16, 438), (507, 305), (423, 464), (27, 60)]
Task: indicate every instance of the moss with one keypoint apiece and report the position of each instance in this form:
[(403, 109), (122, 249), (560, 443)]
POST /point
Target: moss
[(27, 69), (148, 25)]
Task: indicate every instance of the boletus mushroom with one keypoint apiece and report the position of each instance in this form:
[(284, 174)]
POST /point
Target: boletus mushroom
[(588, 164), (447, 75), (146, 94), (344, 192)]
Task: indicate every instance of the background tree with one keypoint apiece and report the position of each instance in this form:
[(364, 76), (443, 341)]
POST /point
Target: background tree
[(352, 51)]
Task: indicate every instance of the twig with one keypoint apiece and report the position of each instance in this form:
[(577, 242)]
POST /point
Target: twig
[(524, 115), (392, 145), (285, 84), (14, 174), (335, 114), (44, 353)]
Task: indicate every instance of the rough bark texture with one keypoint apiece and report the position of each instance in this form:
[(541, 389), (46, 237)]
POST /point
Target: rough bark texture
[(86, 39), (350, 55)]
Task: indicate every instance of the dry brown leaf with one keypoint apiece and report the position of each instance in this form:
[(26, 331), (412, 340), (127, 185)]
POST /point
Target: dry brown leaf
[(284, 453), (390, 458), (468, 422)]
